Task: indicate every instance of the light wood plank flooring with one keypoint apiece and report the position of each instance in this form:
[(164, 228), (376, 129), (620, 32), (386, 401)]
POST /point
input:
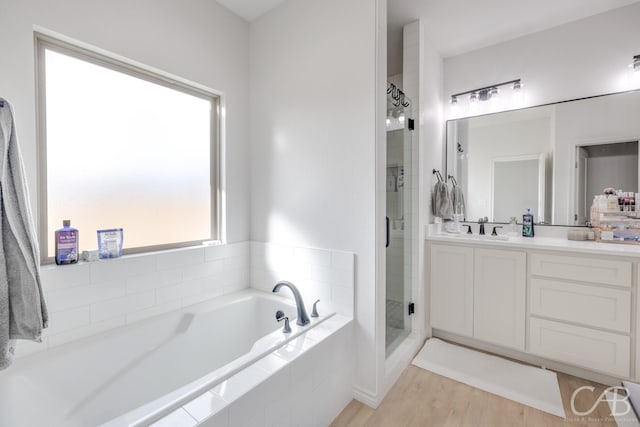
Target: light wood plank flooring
[(423, 398)]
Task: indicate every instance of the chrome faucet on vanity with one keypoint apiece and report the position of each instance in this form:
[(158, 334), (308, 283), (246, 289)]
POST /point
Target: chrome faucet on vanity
[(302, 319), (482, 221)]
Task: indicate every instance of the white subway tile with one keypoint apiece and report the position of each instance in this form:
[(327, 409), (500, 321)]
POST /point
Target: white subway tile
[(278, 257), (178, 418), (322, 274), (156, 310), (239, 384), (65, 276), (312, 256), (271, 363), (238, 249), (180, 258), (207, 269), (200, 286), (237, 262), (26, 348), (61, 321), (258, 250), (64, 299), (119, 306), (221, 419), (342, 260), (85, 331), (108, 270), (154, 280), (195, 299), (215, 252), (168, 293), (342, 295), (205, 405), (278, 413)]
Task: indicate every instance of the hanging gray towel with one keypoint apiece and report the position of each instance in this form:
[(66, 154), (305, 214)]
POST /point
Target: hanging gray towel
[(457, 199), (441, 201), (23, 313)]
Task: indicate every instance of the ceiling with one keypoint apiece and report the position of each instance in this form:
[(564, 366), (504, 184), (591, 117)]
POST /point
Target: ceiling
[(250, 9), (459, 26)]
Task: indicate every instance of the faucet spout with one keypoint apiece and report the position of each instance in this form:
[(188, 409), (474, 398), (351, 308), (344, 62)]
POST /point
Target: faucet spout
[(302, 319)]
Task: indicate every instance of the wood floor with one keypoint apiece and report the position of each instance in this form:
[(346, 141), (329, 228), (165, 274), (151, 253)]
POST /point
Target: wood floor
[(422, 398)]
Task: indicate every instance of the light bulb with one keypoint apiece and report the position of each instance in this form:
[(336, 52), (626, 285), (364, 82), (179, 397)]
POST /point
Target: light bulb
[(401, 118), (473, 97), (493, 93)]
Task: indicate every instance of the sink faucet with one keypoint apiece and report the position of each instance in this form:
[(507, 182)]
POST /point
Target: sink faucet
[(482, 221), (303, 319)]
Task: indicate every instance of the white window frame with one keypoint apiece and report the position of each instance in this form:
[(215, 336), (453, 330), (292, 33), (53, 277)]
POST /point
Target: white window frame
[(46, 42)]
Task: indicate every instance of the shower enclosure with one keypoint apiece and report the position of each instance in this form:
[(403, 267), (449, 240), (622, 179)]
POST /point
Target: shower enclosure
[(399, 218)]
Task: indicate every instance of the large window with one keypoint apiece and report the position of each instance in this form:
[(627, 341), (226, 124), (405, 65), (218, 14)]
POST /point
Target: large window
[(122, 147)]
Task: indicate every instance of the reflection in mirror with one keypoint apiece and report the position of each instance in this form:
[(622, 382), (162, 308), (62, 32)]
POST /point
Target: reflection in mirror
[(503, 163), (552, 159)]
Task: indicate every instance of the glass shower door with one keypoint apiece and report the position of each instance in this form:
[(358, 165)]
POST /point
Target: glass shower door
[(399, 222)]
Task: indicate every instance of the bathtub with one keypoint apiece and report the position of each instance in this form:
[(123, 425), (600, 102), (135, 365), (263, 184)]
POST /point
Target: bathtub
[(122, 376)]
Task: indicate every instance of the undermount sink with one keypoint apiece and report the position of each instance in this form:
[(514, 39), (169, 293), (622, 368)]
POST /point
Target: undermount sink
[(478, 236)]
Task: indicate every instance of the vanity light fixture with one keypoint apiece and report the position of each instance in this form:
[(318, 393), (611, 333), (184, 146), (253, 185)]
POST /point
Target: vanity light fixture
[(636, 64), (488, 92), (517, 85)]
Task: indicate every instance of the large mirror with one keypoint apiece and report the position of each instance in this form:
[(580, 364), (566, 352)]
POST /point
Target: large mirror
[(552, 159)]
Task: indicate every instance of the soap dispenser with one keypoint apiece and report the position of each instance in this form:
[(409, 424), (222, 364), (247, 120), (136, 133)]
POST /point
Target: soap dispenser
[(527, 224)]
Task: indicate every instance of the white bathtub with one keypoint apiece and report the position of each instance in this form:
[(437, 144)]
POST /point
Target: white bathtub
[(121, 376)]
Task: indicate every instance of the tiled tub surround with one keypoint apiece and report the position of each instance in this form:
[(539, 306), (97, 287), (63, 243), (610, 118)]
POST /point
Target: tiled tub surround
[(95, 303), (307, 382), (149, 364), (327, 275), (88, 298)]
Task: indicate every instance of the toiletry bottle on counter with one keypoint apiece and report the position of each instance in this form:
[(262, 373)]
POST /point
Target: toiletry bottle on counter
[(66, 244), (527, 224)]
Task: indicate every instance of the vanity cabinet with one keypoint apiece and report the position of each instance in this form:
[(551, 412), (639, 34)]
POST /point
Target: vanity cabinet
[(452, 289), (550, 305), (499, 306), (479, 293), (580, 311)]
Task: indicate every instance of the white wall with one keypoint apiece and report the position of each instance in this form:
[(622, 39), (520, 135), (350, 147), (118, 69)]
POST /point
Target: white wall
[(583, 58), (313, 141), (198, 40)]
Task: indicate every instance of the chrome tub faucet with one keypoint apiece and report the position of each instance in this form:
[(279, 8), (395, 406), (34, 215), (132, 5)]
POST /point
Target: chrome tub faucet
[(302, 319)]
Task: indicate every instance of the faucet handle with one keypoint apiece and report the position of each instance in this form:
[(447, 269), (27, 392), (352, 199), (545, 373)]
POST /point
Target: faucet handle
[(494, 233), (280, 317), (314, 312), (468, 229)]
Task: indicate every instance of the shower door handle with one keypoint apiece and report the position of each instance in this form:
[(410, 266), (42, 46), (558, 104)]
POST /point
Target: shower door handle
[(388, 233)]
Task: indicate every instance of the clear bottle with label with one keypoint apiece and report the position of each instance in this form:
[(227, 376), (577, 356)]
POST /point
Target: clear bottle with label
[(527, 224), (66, 244)]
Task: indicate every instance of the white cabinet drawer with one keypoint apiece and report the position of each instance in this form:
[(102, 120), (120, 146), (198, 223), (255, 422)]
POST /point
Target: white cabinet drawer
[(601, 351), (609, 272), (589, 305)]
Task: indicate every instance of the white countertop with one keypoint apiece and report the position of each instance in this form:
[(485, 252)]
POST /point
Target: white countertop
[(542, 243)]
